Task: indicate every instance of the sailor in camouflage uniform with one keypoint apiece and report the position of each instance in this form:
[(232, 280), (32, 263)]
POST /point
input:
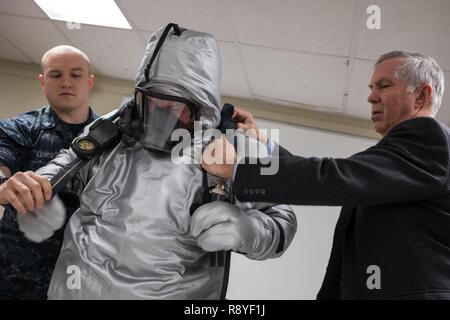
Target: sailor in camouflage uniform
[(28, 142)]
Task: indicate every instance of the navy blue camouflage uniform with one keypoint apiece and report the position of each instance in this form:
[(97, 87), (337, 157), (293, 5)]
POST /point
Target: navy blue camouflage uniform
[(28, 142)]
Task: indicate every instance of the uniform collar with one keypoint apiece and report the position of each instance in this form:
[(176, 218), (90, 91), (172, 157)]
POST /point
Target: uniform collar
[(50, 119)]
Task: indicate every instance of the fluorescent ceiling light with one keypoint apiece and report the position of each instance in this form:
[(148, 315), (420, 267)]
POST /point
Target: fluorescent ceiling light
[(97, 12)]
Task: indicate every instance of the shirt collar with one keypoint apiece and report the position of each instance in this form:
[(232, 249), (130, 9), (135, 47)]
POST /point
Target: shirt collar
[(50, 119)]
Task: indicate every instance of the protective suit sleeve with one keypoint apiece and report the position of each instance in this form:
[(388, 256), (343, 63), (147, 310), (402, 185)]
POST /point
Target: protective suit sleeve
[(276, 225), (65, 157), (259, 234)]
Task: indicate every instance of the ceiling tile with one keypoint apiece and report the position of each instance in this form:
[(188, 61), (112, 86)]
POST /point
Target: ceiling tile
[(201, 15), (234, 82), (313, 26), (9, 52), (307, 35), (357, 105), (22, 7), (296, 77), (33, 36), (113, 52), (415, 25)]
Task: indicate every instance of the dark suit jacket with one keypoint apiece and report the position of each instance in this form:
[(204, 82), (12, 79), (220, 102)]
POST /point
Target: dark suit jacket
[(395, 216)]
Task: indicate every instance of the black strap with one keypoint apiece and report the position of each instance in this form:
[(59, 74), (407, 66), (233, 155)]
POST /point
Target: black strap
[(226, 274), (177, 31), (282, 237), (129, 124), (206, 187)]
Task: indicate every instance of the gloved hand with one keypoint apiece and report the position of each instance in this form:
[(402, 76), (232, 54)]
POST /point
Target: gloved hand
[(40, 224), (222, 226)]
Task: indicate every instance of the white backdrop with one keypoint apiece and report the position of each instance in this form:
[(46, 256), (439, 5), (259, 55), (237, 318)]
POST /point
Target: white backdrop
[(298, 274)]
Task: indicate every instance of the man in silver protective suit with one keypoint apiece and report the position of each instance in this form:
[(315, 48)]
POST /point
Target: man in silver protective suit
[(141, 231)]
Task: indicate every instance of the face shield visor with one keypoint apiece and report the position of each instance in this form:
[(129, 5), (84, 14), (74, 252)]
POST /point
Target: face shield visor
[(161, 115)]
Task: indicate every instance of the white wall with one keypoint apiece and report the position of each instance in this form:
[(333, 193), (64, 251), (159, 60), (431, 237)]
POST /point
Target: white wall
[(298, 274)]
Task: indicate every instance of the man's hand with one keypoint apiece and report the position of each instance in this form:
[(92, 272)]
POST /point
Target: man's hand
[(244, 120), (219, 158), (26, 191), (222, 226)]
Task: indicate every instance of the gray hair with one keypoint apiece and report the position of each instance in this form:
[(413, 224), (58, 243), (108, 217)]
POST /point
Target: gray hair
[(417, 70)]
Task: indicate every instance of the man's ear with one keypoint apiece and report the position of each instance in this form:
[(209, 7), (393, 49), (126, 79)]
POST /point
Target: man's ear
[(423, 98), (41, 80), (91, 81)]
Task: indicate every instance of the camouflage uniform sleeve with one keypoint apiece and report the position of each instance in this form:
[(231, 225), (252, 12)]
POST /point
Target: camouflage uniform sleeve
[(11, 153)]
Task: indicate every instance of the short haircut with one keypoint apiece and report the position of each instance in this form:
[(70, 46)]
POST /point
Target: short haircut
[(418, 70)]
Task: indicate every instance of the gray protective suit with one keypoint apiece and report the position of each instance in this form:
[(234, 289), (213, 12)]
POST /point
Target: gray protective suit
[(130, 237)]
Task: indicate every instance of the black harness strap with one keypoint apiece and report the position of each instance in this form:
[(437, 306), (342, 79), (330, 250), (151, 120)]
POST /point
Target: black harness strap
[(177, 31)]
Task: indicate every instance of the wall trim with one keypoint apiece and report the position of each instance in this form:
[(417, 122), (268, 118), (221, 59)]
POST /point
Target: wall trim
[(302, 117)]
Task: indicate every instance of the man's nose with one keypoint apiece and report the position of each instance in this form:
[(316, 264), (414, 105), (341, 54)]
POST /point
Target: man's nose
[(66, 82), (373, 97)]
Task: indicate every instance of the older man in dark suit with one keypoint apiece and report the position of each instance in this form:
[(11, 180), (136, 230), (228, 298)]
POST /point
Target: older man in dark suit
[(392, 239)]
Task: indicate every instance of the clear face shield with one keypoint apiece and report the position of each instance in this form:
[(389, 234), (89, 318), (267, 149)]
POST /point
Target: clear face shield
[(161, 115)]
